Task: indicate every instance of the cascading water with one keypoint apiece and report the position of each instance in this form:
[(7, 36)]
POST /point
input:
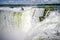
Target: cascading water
[(48, 29), (17, 24)]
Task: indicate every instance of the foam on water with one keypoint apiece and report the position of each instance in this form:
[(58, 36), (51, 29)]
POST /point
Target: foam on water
[(16, 24)]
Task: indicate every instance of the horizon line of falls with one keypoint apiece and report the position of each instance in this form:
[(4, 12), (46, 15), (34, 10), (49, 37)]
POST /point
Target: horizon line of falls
[(29, 24)]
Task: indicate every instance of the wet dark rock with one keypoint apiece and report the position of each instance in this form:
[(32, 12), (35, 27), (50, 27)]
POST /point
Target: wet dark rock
[(22, 9), (58, 33)]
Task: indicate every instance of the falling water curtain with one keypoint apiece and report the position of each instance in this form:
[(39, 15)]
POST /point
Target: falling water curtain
[(29, 19)]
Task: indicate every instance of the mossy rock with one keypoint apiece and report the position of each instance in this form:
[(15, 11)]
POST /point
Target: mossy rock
[(41, 18), (46, 9)]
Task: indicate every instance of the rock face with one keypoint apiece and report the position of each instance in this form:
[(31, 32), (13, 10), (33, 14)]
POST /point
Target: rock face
[(17, 24)]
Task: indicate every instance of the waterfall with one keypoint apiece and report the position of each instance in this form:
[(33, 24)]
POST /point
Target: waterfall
[(17, 24), (48, 29)]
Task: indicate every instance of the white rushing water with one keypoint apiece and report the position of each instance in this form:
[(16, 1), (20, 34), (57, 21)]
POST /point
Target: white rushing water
[(17, 24), (48, 29)]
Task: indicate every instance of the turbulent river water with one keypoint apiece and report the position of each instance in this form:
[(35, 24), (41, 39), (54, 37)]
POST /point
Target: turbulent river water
[(18, 24)]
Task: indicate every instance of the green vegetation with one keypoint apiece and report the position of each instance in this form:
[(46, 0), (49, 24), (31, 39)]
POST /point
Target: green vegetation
[(45, 12), (46, 9)]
